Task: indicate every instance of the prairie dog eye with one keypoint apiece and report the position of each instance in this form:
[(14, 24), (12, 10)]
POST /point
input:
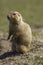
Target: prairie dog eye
[(14, 14)]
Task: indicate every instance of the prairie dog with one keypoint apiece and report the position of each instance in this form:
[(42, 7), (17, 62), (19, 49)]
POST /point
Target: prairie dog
[(20, 31)]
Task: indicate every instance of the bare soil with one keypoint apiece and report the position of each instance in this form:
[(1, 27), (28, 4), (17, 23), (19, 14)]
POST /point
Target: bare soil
[(34, 57)]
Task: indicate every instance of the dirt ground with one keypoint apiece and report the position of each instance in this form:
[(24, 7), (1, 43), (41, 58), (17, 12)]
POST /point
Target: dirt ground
[(34, 57)]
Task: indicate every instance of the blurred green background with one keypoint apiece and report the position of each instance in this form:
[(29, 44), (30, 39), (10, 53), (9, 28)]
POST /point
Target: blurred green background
[(31, 10)]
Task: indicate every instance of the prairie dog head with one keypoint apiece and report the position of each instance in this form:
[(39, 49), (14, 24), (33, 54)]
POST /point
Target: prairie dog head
[(14, 17)]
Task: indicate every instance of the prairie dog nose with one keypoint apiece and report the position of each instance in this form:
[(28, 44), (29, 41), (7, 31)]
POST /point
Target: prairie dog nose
[(8, 17)]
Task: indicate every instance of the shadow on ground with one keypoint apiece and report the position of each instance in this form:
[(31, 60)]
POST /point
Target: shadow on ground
[(9, 54)]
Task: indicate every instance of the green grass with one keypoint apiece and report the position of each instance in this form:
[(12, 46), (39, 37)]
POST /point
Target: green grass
[(31, 10)]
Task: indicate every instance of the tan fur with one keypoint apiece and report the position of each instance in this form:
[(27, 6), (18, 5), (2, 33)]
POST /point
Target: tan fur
[(20, 31)]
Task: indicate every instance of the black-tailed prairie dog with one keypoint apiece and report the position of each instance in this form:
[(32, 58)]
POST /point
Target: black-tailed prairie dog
[(20, 31)]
